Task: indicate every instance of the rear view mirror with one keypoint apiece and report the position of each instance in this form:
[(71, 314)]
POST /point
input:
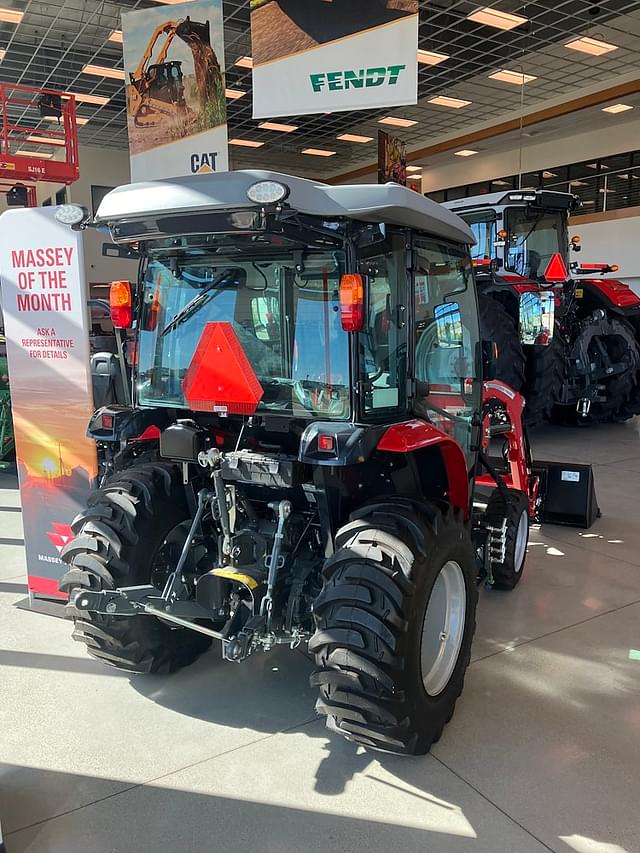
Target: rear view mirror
[(537, 315), (448, 325)]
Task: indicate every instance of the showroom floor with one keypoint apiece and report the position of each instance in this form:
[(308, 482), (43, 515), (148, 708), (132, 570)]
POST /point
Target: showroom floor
[(543, 752)]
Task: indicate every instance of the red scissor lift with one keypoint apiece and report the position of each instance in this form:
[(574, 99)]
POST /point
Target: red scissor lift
[(22, 125)]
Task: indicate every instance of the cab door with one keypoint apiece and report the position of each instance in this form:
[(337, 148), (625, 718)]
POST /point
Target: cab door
[(447, 369)]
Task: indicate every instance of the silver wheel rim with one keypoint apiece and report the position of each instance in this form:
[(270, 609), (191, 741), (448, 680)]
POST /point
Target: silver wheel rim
[(443, 628), (522, 540)]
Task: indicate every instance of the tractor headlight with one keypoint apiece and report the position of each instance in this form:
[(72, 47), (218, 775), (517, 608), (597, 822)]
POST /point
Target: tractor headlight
[(72, 214), (267, 192)]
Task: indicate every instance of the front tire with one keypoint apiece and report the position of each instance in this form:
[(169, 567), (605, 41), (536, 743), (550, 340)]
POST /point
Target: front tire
[(508, 515), (131, 533), (394, 625)]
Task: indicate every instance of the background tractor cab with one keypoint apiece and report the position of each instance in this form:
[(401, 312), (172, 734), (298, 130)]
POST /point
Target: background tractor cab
[(303, 457), (568, 343)]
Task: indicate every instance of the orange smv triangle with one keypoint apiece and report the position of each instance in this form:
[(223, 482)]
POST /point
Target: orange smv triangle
[(556, 270), (220, 377)]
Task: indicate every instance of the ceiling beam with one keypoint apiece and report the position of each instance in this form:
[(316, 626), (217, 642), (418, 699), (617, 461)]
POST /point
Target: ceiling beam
[(592, 100)]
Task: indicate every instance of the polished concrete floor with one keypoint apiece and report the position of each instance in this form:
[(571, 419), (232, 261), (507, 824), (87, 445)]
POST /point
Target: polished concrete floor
[(543, 752)]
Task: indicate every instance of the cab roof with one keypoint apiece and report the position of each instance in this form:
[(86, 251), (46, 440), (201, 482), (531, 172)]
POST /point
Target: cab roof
[(552, 199), (390, 203)]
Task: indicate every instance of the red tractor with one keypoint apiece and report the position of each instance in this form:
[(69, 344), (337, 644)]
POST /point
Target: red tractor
[(305, 459), (585, 363)]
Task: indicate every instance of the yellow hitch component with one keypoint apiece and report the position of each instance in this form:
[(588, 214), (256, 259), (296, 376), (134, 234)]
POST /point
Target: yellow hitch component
[(230, 574)]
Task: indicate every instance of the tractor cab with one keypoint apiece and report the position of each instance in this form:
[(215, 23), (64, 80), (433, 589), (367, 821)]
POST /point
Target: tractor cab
[(165, 82)]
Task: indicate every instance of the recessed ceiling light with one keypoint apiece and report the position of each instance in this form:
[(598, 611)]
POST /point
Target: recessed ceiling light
[(414, 168), (577, 184), (594, 47), (466, 152), (274, 125), (549, 175), (500, 183), (595, 166), (622, 177), (234, 94), (603, 190), (589, 201), (429, 57), (496, 18), (246, 143), (454, 103), (244, 62), (100, 100), (11, 16), (617, 108), (46, 140), (354, 137), (104, 71), (318, 152), (3, 53), (397, 122), (79, 119), (43, 155), (514, 77), (116, 36)]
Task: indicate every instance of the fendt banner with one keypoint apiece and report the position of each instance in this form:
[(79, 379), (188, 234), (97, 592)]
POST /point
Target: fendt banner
[(47, 333), (315, 56), (174, 80)]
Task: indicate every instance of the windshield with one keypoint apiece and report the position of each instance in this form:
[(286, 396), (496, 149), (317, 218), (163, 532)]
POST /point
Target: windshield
[(483, 225), (283, 305), (534, 237)]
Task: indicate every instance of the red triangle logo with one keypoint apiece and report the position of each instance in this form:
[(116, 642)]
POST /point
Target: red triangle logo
[(556, 269), (220, 377)]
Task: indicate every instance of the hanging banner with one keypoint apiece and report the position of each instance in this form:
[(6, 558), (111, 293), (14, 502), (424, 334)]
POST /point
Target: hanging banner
[(174, 79), (392, 159), (315, 56), (44, 302)]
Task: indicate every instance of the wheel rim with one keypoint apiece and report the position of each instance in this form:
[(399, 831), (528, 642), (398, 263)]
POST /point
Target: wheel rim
[(443, 628), (522, 540)]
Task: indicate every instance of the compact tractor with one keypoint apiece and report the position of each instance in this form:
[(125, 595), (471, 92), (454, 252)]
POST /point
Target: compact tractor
[(586, 366), (305, 460)]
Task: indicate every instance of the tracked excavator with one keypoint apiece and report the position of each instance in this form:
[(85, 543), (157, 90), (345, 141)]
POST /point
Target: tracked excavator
[(156, 89)]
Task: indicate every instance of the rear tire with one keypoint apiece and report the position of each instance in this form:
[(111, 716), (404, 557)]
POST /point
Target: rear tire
[(497, 325), (132, 524), (388, 677), (545, 377), (511, 510)]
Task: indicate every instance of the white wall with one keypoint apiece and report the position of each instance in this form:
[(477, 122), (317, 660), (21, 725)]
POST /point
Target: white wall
[(616, 241)]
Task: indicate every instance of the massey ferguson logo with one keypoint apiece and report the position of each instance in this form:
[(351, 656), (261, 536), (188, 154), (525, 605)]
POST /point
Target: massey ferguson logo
[(60, 536), (202, 164)]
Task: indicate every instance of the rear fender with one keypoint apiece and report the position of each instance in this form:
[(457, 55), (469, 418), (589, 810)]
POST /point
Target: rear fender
[(121, 423), (415, 435), (615, 296)]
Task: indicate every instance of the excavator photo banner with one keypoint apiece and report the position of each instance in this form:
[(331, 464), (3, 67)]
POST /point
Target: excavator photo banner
[(174, 80), (315, 56)]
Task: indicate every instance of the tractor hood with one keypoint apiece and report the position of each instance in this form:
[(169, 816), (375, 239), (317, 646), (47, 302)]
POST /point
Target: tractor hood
[(175, 198)]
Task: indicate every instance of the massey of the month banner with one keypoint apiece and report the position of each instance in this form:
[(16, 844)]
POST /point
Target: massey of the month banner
[(46, 323), (314, 56), (175, 86)]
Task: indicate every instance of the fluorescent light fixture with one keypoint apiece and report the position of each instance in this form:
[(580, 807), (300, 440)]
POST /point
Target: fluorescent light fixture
[(577, 183), (500, 183), (244, 62), (44, 140), (617, 108), (594, 47), (99, 100), (496, 18), (234, 94), (11, 16), (246, 143), (549, 175), (354, 137), (104, 71), (3, 53), (514, 77), (116, 36), (429, 57), (589, 201), (444, 101), (466, 152), (79, 120), (42, 155), (318, 152), (414, 168), (274, 125), (397, 122), (606, 191)]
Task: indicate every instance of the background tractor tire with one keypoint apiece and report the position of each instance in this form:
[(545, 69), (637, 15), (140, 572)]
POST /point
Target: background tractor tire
[(544, 380), (512, 509), (496, 325), (131, 533), (380, 679)]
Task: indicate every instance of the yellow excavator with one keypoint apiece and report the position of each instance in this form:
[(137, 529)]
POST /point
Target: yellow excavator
[(156, 90)]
